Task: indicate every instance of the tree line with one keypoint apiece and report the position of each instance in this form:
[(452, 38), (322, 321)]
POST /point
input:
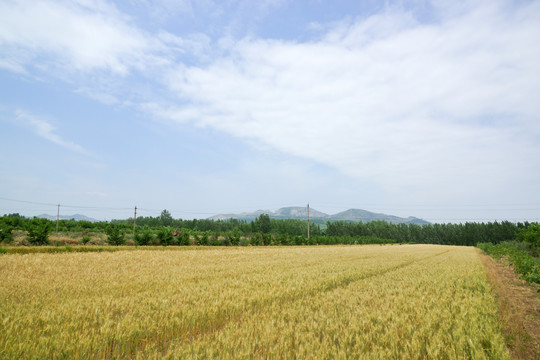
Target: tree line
[(165, 230)]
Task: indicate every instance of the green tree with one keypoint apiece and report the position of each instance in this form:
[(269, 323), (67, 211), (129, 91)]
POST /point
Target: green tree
[(203, 238), (183, 237), (144, 237), (5, 233), (531, 235), (263, 223), (165, 218), (233, 237), (38, 231), (114, 235), (165, 236)]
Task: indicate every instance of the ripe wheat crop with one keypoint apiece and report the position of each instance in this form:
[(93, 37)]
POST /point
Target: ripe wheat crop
[(338, 302)]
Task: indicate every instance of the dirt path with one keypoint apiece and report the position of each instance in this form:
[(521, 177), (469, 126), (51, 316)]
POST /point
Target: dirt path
[(519, 309)]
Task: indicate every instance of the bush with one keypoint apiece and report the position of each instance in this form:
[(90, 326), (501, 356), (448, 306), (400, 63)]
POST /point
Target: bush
[(256, 239), (145, 237), (524, 264), (38, 231), (5, 233), (182, 237), (203, 239), (85, 239), (232, 238), (165, 236), (114, 235), (266, 239), (531, 235)]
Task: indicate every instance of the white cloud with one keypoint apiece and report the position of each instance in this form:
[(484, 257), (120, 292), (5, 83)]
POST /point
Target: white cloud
[(12, 65), (387, 97), (80, 36), (45, 130), (449, 105)]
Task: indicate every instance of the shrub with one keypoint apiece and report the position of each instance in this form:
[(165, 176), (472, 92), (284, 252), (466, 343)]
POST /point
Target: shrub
[(144, 238), (5, 233), (531, 235), (85, 239), (524, 264), (114, 235), (256, 239), (182, 237), (38, 231), (203, 239), (266, 239), (165, 236), (215, 240), (232, 238)]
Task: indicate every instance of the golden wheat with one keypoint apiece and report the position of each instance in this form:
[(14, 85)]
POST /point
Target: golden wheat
[(339, 302)]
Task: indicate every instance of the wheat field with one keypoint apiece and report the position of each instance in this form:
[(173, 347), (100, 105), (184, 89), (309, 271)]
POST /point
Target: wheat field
[(324, 302)]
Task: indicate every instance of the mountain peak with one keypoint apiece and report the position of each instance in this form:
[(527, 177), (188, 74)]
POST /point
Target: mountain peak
[(300, 212)]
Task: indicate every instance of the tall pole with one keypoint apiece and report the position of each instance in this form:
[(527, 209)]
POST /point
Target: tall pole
[(134, 220), (57, 217), (308, 221)]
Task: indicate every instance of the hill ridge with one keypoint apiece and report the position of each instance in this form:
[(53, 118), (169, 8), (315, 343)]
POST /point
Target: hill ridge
[(298, 212)]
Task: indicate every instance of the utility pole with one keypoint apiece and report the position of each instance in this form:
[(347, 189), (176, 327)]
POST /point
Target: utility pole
[(57, 218), (134, 219), (308, 221)]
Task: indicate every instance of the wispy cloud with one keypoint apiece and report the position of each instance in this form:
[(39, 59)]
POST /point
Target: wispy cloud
[(45, 130), (71, 36), (387, 97), (432, 106)]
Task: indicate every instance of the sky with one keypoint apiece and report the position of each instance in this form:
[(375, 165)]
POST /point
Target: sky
[(411, 108)]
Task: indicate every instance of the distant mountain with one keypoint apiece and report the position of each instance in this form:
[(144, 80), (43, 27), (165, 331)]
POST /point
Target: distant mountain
[(353, 215), (297, 212), (366, 216), (77, 217)]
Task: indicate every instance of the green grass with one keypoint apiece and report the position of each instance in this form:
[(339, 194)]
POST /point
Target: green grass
[(524, 263)]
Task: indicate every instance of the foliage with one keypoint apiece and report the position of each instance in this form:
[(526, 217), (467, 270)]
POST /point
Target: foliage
[(165, 236), (144, 237), (85, 239), (233, 237), (524, 263), (182, 237), (38, 231), (263, 224), (165, 218), (203, 239), (6, 234), (531, 235), (266, 231), (114, 235)]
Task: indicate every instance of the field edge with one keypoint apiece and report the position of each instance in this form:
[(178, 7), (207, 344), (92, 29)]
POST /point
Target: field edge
[(518, 306)]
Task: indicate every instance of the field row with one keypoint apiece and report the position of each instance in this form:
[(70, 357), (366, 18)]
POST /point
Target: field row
[(412, 301)]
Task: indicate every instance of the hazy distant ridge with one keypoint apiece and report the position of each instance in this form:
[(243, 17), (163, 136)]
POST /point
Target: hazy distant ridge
[(354, 215), (77, 217)]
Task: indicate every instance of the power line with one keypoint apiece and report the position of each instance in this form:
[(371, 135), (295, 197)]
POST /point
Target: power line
[(66, 206), (28, 202), (450, 218)]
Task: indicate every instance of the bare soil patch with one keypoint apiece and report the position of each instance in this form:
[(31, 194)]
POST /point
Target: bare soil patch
[(519, 308)]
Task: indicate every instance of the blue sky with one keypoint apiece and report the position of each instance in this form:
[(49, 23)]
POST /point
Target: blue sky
[(412, 108)]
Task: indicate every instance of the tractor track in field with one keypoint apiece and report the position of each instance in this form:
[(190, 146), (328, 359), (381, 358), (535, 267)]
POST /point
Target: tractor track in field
[(232, 316)]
